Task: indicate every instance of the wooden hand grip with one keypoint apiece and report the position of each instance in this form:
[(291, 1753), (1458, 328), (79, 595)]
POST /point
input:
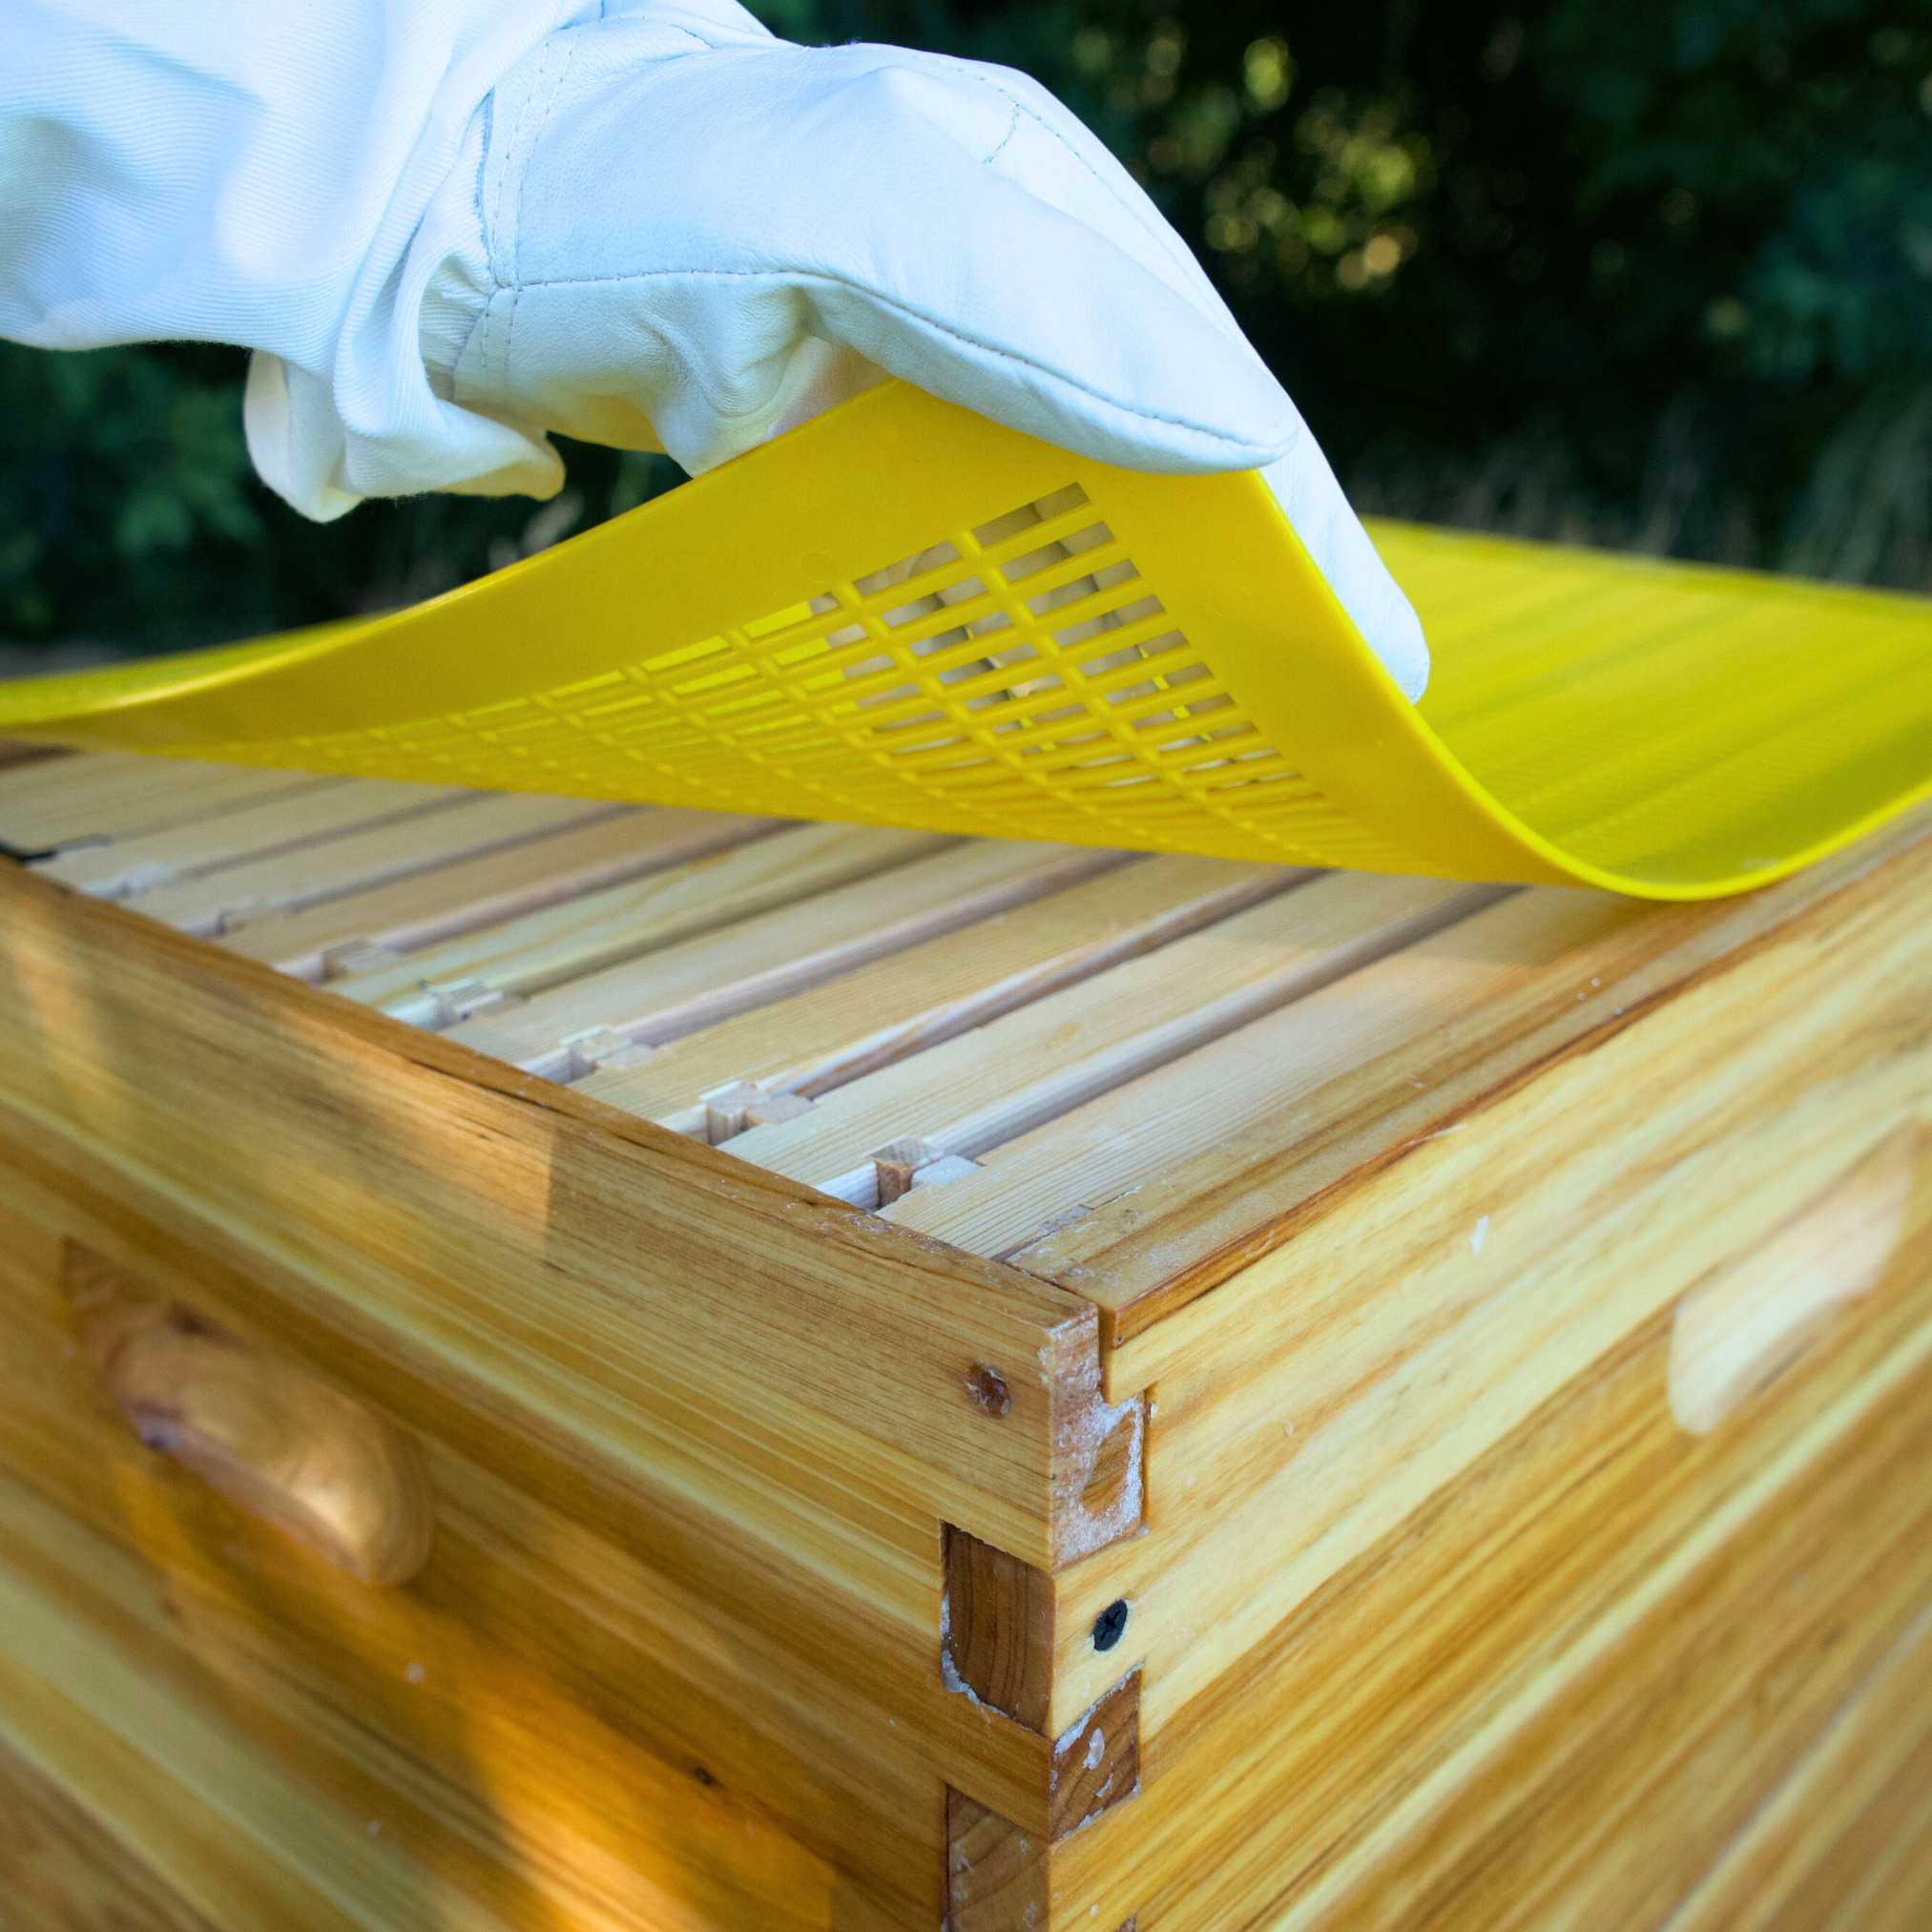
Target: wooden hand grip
[(276, 1440), (1739, 1330)]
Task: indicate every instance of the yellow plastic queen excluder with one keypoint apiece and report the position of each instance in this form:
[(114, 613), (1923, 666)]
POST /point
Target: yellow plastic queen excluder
[(902, 613)]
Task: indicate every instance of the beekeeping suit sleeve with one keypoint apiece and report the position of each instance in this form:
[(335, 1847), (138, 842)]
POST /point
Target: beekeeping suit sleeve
[(447, 227)]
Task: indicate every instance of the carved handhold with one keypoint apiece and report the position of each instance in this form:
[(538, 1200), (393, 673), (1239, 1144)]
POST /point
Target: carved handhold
[(1742, 1327), (270, 1436)]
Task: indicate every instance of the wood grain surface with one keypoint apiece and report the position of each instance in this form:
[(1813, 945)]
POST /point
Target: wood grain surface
[(998, 1629), (1552, 1694), (1337, 1383), (540, 1716), (991, 1087), (264, 1429), (1845, 1841), (528, 954), (812, 1042), (482, 1225), (69, 801), (62, 1871), (519, 1303), (1223, 1172), (678, 988), (390, 920), (1447, 1449), (277, 847)]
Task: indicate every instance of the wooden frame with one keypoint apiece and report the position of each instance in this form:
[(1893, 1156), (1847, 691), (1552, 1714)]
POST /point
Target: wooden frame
[(1267, 1546)]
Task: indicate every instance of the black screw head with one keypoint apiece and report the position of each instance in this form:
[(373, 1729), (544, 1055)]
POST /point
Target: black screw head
[(1110, 1625)]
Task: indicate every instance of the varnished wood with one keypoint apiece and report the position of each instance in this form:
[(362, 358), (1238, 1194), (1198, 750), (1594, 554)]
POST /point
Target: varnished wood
[(487, 1816), (810, 1042), (325, 1301), (534, 1689), (1004, 1877), (61, 1871), (1096, 1761), (1859, 1802), (999, 1628), (1473, 1710), (1878, 1876), (996, 1871), (218, 1060), (391, 921), (173, 1802), (1334, 1385), (678, 989), (1742, 1326), (694, 1636), (1455, 1439), (1552, 977)]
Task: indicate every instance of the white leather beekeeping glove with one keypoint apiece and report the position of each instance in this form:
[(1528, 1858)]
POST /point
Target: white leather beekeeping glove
[(671, 230)]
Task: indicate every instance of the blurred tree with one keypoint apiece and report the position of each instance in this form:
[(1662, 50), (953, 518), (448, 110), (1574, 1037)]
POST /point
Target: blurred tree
[(1654, 273), (131, 517)]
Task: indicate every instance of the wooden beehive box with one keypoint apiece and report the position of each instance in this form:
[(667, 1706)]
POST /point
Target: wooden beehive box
[(575, 1368)]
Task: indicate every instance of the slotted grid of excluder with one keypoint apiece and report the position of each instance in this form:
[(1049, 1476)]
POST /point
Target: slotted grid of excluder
[(1157, 664), (1019, 678)]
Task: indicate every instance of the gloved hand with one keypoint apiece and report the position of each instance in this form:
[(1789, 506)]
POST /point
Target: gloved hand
[(447, 226), (668, 229)]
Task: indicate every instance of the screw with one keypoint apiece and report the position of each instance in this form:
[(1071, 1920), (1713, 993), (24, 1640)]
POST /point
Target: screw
[(988, 1389), (1110, 1625)]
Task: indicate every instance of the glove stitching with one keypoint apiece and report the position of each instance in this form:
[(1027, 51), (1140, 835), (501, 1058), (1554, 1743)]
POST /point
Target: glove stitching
[(495, 355), (550, 98), (884, 300), (1013, 128), (547, 84), (511, 149), (1155, 234)]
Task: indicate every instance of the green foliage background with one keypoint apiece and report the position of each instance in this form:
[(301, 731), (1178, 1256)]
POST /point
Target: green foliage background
[(1647, 273)]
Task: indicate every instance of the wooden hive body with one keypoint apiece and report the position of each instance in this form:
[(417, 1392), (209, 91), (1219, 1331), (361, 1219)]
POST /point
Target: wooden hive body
[(1183, 1395)]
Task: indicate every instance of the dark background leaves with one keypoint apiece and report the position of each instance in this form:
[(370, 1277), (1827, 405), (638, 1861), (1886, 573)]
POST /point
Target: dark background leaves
[(1645, 273)]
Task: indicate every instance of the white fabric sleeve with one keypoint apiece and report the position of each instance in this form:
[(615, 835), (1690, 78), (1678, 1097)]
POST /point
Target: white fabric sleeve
[(447, 227), (257, 171)]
